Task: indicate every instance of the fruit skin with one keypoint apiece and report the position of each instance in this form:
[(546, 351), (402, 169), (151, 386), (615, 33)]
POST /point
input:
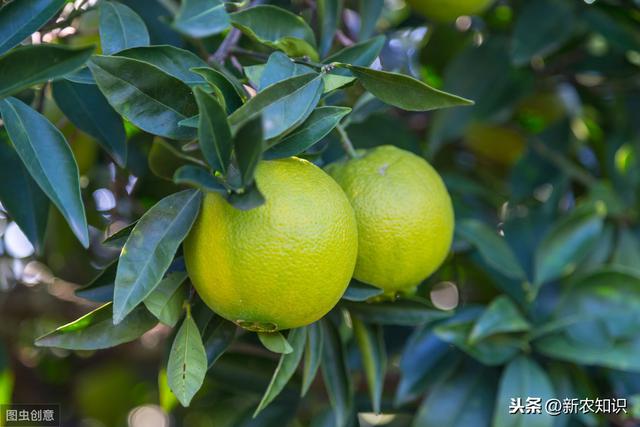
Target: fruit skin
[(404, 215), (282, 265), (500, 144), (449, 10)]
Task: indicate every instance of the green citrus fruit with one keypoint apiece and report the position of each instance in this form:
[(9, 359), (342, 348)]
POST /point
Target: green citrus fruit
[(282, 265), (404, 215), (449, 10), (499, 144)]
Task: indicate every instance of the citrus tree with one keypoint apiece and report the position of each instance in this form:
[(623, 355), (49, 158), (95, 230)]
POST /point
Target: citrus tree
[(317, 212)]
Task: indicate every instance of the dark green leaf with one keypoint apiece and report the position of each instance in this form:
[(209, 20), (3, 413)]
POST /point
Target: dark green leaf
[(231, 89), (198, 177), (217, 337), (248, 144), (29, 65), (82, 75), (402, 312), (494, 249), (20, 19), (187, 362), (280, 67), (145, 95), (95, 330), (275, 341), (568, 242), (119, 237), (521, 379), (464, 399), (170, 59), (370, 11), (329, 12), (284, 93), (312, 355), (362, 54), (201, 18), (214, 133), (542, 27), (277, 28), (318, 125), (150, 249), (501, 316), (360, 292), (120, 28), (370, 341), (165, 159), (336, 374), (21, 196), (165, 302), (100, 289), (405, 92), (86, 107), (248, 199), (286, 367), (48, 158)]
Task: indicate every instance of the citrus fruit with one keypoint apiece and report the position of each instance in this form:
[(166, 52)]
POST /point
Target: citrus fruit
[(282, 265), (449, 10), (499, 144), (404, 215)]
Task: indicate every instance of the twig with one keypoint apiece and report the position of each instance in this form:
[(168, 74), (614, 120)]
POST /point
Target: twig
[(347, 145), (230, 41)]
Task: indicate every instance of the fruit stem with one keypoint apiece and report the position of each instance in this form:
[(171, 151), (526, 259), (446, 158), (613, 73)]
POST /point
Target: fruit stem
[(347, 145)]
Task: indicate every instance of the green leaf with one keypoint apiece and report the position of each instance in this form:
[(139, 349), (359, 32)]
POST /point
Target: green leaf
[(336, 374), (329, 12), (119, 237), (370, 11), (82, 75), (20, 19), (284, 93), (248, 144), (461, 400), (170, 59), (86, 107), (165, 302), (201, 18), (49, 159), (522, 378), (120, 28), (100, 289), (21, 196), (145, 95), (493, 249), (187, 362), (231, 89), (248, 199), (493, 350), (402, 312), (312, 355), (568, 242), (542, 27), (165, 160), (318, 125), (150, 249), (277, 28), (217, 338), (362, 54), (30, 65), (214, 133), (370, 339), (95, 330), (198, 177), (360, 292), (286, 368), (280, 67), (501, 316), (276, 342), (405, 92)]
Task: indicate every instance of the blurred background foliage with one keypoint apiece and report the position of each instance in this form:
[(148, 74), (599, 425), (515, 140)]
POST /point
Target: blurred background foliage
[(543, 278)]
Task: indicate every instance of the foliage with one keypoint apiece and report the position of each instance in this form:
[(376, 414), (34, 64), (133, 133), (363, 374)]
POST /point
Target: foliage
[(188, 98)]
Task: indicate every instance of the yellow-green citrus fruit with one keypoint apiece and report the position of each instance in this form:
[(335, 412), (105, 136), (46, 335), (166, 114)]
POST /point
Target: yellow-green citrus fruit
[(499, 144), (282, 265), (449, 10), (404, 215)]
